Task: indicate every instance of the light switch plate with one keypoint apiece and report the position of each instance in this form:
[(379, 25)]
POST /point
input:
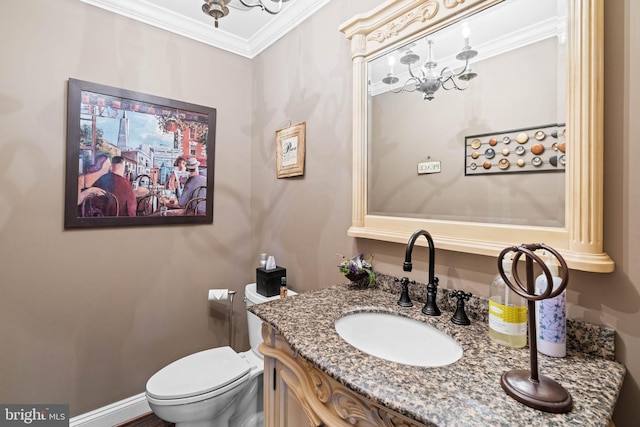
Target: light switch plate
[(428, 167)]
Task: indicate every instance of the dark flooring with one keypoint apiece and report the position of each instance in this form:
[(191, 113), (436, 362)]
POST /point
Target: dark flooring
[(146, 420)]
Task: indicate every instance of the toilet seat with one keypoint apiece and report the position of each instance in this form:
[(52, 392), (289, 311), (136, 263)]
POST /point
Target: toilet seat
[(198, 377)]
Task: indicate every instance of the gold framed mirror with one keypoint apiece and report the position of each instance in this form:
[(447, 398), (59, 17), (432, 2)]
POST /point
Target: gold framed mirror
[(580, 240)]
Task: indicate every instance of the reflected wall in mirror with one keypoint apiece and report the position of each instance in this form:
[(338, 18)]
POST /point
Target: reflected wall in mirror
[(540, 80), (519, 83)]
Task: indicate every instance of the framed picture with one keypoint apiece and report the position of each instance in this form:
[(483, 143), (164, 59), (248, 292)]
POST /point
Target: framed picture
[(136, 159), (290, 147)]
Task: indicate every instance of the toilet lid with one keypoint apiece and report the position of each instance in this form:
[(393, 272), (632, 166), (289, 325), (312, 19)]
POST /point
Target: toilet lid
[(198, 373)]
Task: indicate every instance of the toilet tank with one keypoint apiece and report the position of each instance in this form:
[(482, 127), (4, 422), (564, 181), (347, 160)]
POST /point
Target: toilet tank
[(251, 297)]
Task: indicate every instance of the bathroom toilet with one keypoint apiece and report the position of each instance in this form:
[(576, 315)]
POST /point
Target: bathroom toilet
[(216, 387)]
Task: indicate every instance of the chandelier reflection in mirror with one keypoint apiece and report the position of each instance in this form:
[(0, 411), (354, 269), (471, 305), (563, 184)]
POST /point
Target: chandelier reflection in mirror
[(218, 8), (429, 80)]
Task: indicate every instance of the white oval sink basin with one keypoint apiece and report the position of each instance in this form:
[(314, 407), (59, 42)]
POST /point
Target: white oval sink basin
[(398, 339)]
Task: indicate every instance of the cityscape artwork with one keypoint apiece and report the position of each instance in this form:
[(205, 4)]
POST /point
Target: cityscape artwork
[(137, 159)]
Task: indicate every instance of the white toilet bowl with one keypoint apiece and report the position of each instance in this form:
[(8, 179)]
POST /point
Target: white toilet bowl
[(216, 387)]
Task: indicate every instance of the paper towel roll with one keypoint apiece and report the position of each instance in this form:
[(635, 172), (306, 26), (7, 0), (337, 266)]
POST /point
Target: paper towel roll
[(218, 294)]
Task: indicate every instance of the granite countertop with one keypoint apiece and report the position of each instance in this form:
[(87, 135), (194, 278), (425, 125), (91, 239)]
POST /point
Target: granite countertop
[(465, 393)]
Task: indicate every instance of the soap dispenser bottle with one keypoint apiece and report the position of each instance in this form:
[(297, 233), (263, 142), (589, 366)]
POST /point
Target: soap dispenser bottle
[(507, 311), (551, 315)]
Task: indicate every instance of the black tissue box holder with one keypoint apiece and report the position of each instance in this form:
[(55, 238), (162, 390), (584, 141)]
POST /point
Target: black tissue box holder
[(268, 281)]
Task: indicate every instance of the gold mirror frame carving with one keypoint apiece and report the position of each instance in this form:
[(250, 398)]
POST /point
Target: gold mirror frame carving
[(580, 242)]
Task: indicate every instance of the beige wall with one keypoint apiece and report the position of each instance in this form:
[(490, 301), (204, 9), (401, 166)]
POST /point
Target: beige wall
[(305, 220), (87, 316), (405, 130), (73, 333)]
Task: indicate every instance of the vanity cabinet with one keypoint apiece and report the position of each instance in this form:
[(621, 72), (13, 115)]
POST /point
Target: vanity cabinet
[(313, 377), (296, 393), (283, 406)]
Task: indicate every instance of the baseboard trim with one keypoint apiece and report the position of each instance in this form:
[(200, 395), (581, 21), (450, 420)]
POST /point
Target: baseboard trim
[(113, 414)]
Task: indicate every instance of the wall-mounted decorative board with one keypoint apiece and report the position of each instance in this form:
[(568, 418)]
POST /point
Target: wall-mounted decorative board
[(535, 149)]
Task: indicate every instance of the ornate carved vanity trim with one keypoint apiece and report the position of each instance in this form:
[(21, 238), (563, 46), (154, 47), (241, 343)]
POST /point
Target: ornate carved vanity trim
[(325, 401)]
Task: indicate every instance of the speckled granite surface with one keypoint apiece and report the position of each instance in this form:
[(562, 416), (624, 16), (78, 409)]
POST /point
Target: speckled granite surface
[(466, 393), (583, 337)]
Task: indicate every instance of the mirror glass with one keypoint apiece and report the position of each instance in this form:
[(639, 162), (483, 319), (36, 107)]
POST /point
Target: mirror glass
[(491, 152)]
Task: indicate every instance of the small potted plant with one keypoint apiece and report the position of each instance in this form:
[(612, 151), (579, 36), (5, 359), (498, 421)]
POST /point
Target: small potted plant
[(357, 269)]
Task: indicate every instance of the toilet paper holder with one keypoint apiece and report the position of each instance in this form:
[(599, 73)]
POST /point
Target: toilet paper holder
[(231, 295), (221, 295)]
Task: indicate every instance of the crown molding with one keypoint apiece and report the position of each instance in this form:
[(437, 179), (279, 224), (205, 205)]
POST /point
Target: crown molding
[(151, 14), (519, 38), (287, 20)]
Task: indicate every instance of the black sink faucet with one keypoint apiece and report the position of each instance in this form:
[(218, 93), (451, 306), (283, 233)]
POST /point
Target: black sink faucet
[(430, 308)]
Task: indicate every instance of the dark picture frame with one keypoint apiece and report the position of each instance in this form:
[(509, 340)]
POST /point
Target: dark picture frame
[(127, 148)]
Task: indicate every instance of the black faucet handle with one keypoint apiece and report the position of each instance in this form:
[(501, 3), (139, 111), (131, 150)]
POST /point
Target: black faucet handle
[(431, 307), (460, 317), (404, 300)]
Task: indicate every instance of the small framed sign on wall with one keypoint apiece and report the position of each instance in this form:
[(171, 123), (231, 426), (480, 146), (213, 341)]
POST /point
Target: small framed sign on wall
[(290, 151)]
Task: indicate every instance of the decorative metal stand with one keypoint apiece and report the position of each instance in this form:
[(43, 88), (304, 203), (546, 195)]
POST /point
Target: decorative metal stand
[(529, 388)]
